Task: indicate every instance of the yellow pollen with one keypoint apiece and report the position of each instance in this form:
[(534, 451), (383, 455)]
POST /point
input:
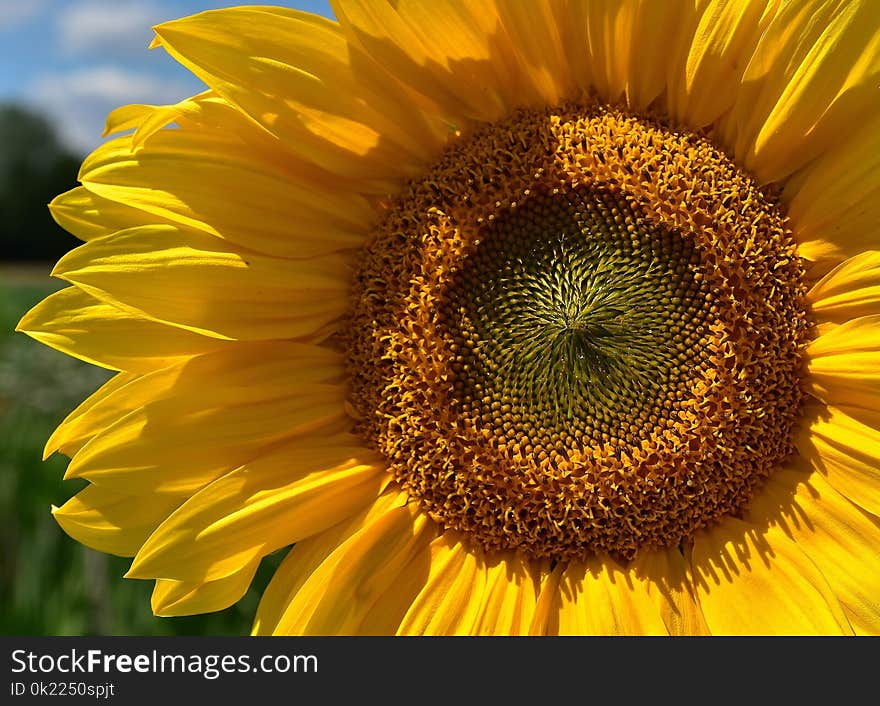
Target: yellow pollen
[(581, 332)]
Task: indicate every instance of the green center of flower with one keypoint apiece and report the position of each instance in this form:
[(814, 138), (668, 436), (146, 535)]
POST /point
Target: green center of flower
[(575, 318), (580, 332)]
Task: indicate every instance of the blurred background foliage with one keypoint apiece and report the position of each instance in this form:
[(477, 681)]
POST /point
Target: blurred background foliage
[(34, 168), (50, 584)]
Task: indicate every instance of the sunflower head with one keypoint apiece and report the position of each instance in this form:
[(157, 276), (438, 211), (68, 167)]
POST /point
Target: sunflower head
[(511, 318), (547, 353)]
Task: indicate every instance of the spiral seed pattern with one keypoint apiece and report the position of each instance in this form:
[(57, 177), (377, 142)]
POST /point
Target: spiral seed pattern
[(574, 322), (581, 332)]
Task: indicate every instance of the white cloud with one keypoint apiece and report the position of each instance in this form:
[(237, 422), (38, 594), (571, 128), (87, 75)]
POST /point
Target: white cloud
[(105, 27), (14, 13), (79, 101)]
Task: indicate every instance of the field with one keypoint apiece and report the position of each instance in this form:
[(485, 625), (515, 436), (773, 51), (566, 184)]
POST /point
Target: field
[(50, 584)]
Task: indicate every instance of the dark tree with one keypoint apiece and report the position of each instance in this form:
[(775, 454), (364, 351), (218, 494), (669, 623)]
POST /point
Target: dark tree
[(34, 168)]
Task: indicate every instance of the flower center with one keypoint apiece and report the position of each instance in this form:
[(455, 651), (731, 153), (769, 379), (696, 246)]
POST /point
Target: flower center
[(574, 321), (581, 332)]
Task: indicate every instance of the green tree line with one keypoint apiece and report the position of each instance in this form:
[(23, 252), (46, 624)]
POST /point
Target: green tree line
[(34, 168)]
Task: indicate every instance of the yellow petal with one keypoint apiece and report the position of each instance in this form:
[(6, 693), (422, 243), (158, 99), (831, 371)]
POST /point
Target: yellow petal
[(844, 364), (652, 35), (545, 620), (813, 76), (342, 591), (191, 423), (127, 391), (452, 597), (283, 611), (112, 522), (668, 582), (623, 49), (91, 416), (208, 113), (162, 116), (173, 598), (306, 556), (80, 325), (147, 120), (211, 181), (199, 283), (849, 291), (512, 588), (600, 598), (534, 35), (386, 613), (753, 581), (845, 451), (129, 454), (275, 65), (840, 538), (446, 50), (89, 216), (569, 614), (867, 416), (579, 46), (833, 201), (706, 84), (127, 117), (302, 488)]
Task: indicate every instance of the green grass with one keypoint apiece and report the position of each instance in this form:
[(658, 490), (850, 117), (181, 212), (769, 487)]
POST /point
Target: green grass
[(50, 584)]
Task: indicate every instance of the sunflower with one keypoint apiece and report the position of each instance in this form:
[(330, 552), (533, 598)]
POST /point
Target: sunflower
[(511, 318)]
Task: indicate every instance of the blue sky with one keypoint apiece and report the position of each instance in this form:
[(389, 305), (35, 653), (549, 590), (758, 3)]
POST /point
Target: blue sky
[(76, 60)]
